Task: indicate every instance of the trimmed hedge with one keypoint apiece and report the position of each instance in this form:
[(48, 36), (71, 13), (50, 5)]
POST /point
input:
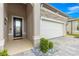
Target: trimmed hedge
[(50, 45), (45, 45)]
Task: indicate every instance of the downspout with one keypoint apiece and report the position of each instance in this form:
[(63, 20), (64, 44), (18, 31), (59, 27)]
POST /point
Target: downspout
[(71, 27)]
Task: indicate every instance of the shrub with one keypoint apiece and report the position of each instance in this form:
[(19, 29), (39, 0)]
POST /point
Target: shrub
[(4, 53), (44, 45), (50, 45)]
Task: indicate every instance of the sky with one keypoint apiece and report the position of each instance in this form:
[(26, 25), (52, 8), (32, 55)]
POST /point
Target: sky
[(71, 9)]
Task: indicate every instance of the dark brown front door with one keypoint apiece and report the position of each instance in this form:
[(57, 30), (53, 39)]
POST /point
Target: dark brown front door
[(17, 25)]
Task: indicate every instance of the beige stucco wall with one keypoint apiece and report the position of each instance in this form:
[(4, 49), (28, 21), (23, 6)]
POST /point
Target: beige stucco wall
[(36, 23), (2, 26), (53, 15), (68, 28), (74, 27), (6, 23), (29, 22)]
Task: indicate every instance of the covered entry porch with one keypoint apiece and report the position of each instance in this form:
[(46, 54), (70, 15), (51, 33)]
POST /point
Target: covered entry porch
[(18, 27), (30, 31)]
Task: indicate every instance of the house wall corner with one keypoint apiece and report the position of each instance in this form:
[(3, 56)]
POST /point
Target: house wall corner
[(36, 23), (2, 40)]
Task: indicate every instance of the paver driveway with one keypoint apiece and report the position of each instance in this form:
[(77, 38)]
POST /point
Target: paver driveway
[(65, 46)]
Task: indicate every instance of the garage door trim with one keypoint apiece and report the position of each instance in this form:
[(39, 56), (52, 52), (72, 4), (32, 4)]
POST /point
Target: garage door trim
[(52, 20), (49, 19)]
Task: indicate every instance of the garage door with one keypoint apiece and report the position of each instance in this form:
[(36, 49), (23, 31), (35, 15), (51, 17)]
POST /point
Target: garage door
[(50, 29)]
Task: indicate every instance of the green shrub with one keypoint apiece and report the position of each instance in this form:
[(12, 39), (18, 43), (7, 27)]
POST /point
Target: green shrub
[(4, 53), (50, 45), (44, 45)]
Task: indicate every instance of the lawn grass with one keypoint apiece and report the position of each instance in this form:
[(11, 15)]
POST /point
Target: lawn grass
[(75, 35), (72, 35)]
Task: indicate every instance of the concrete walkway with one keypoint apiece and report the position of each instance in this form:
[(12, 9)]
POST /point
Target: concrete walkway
[(64, 46)]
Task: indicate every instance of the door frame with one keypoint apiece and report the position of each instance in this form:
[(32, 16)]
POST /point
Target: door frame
[(13, 25)]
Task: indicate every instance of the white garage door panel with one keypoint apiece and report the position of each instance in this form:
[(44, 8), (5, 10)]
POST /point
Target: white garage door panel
[(50, 29)]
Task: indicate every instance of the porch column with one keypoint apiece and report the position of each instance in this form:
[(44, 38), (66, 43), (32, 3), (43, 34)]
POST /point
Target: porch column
[(1, 26), (36, 15)]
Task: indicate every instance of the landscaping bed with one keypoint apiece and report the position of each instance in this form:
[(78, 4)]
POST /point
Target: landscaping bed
[(37, 52), (45, 48)]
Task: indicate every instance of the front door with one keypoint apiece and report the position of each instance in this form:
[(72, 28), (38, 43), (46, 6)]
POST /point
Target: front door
[(17, 25)]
